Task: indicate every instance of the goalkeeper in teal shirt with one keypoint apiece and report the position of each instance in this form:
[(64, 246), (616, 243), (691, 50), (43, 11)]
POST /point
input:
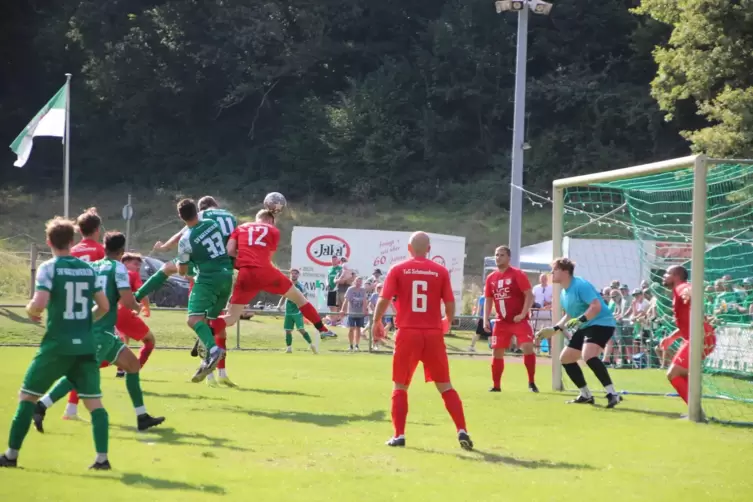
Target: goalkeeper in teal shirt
[(592, 325)]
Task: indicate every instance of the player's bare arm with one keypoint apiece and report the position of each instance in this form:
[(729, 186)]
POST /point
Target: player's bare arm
[(102, 305), (37, 305), (170, 244), (527, 304), (449, 311), (129, 301), (232, 247), (487, 311)]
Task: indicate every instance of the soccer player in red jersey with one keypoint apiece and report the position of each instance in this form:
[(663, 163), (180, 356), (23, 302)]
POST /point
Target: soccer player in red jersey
[(253, 245), (420, 286), (676, 278), (510, 291), (89, 250), (129, 324)]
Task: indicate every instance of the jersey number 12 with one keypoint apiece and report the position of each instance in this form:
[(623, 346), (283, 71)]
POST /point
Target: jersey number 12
[(256, 236)]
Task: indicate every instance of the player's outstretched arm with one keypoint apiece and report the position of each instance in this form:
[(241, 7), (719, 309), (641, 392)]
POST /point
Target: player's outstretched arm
[(102, 305), (170, 244)]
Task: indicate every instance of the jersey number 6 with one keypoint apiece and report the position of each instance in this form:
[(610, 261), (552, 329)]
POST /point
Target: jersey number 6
[(418, 296)]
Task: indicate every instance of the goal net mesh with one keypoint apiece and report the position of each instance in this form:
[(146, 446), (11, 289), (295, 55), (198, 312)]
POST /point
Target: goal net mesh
[(624, 234)]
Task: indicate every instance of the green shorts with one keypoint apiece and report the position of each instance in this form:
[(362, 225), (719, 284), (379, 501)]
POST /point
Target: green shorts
[(109, 346), (48, 366), (210, 298), (293, 321)]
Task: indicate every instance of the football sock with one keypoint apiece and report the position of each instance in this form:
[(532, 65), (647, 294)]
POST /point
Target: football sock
[(71, 409), (455, 408), (309, 312), (288, 339), (575, 374), (19, 427), (221, 343), (152, 284), (399, 411), (530, 362), (145, 352), (222, 372), (601, 371), (306, 337), (100, 429), (61, 388), (204, 332), (680, 384), (133, 384), (498, 367)]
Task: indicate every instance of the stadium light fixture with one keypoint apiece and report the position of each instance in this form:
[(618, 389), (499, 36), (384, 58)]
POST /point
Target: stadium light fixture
[(519, 144)]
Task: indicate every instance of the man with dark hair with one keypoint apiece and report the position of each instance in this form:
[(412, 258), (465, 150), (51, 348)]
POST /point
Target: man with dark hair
[(112, 277), (67, 288), (253, 244), (676, 278), (592, 325)]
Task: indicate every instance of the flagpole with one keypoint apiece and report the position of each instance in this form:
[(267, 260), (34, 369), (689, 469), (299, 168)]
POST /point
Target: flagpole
[(67, 145)]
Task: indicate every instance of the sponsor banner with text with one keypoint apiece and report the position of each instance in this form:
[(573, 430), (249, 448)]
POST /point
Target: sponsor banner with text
[(366, 250)]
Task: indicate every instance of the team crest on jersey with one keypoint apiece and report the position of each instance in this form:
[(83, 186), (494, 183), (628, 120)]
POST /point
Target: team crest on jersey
[(508, 281)]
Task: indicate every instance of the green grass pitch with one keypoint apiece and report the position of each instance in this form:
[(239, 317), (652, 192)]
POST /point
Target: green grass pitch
[(312, 428)]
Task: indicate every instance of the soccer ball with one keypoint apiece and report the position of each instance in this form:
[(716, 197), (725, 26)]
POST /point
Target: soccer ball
[(275, 202)]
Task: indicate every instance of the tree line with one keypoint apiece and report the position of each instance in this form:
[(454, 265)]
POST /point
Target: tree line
[(356, 99)]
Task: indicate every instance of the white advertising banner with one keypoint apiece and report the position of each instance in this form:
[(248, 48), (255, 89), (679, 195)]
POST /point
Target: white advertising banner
[(314, 247), (734, 350)]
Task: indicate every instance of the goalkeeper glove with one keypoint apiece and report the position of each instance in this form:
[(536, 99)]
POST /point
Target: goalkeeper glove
[(574, 323)]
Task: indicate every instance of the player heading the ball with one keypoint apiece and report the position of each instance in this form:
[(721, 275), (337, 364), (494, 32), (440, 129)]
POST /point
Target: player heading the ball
[(592, 324), (421, 286)]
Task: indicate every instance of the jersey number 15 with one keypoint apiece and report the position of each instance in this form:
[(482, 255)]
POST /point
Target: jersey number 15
[(74, 297)]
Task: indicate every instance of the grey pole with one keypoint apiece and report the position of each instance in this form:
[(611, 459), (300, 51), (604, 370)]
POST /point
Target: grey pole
[(518, 138), (127, 216)]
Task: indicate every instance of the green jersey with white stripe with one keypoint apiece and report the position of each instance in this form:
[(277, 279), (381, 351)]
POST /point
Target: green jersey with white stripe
[(112, 277), (72, 285), (204, 245)]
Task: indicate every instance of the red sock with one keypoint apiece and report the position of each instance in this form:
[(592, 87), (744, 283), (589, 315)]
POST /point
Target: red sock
[(680, 384), (104, 364), (455, 407), (73, 397), (309, 312), (218, 325), (530, 362), (145, 352), (399, 411), (498, 367), (221, 342)]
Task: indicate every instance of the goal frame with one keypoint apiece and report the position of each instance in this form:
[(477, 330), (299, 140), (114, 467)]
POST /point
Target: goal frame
[(700, 164)]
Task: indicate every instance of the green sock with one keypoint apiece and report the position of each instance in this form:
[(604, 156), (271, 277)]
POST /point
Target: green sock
[(133, 384), (101, 429), (60, 390), (152, 284), (204, 332), (307, 337), (19, 427), (288, 338)]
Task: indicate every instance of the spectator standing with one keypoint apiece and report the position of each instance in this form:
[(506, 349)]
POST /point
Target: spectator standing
[(542, 293), (332, 274), (355, 305)]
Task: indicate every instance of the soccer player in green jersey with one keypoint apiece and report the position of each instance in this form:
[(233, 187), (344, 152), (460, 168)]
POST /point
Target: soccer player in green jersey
[(67, 288), (293, 316), (112, 278), (204, 245)]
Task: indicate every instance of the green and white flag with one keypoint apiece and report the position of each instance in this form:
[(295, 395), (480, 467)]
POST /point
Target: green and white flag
[(50, 121)]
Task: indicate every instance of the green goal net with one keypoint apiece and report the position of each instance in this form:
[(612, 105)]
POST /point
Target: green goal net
[(624, 232)]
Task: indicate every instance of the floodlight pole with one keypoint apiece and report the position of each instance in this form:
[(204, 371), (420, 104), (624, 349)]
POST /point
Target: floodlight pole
[(518, 138)]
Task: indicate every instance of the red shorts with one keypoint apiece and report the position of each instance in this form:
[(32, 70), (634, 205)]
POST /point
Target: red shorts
[(682, 358), (504, 331), (413, 346), (252, 280), (131, 325)]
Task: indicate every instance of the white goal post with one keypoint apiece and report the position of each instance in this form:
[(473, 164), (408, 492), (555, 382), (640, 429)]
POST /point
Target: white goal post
[(700, 165)]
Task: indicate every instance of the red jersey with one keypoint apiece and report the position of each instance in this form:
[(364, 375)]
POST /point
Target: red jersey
[(88, 250), (681, 309), (256, 243), (508, 291), (134, 278), (420, 286)]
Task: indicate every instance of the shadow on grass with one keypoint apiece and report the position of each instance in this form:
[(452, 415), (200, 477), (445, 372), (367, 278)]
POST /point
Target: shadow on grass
[(140, 481), (495, 458), (654, 413), (170, 436), (275, 392), (15, 317), (179, 395), (321, 419)]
